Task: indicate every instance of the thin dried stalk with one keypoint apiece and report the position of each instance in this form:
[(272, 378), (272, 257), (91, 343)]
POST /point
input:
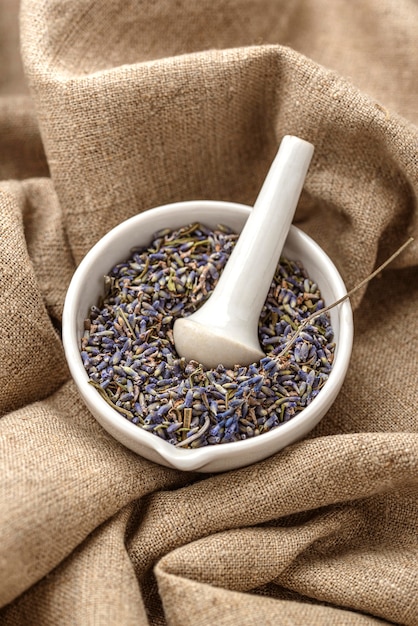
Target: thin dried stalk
[(311, 317)]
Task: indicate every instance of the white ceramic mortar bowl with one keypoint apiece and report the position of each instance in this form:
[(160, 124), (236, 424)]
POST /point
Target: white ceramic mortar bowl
[(87, 285)]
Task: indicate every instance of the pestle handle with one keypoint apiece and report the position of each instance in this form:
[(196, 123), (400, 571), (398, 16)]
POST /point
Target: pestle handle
[(225, 329), (246, 279)]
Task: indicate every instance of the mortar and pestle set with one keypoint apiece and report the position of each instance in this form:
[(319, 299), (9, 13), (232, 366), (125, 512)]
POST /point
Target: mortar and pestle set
[(225, 328)]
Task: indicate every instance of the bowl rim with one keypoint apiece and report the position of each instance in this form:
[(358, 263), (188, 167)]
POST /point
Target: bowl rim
[(182, 458)]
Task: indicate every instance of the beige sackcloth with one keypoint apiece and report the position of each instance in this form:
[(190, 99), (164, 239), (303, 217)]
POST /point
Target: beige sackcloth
[(111, 107)]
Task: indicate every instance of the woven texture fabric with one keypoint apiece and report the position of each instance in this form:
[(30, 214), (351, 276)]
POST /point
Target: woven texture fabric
[(108, 109)]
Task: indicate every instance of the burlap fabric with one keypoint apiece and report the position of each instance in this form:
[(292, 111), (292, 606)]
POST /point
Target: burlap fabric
[(126, 105)]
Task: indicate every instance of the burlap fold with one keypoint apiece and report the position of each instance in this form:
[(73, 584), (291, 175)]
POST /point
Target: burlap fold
[(114, 107)]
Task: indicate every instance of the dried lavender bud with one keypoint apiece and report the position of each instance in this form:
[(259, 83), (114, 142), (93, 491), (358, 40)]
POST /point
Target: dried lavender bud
[(128, 350)]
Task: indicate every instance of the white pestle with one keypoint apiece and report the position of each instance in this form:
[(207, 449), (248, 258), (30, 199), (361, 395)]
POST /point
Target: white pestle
[(225, 329)]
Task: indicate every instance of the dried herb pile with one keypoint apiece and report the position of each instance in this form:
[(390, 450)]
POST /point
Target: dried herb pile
[(129, 354)]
